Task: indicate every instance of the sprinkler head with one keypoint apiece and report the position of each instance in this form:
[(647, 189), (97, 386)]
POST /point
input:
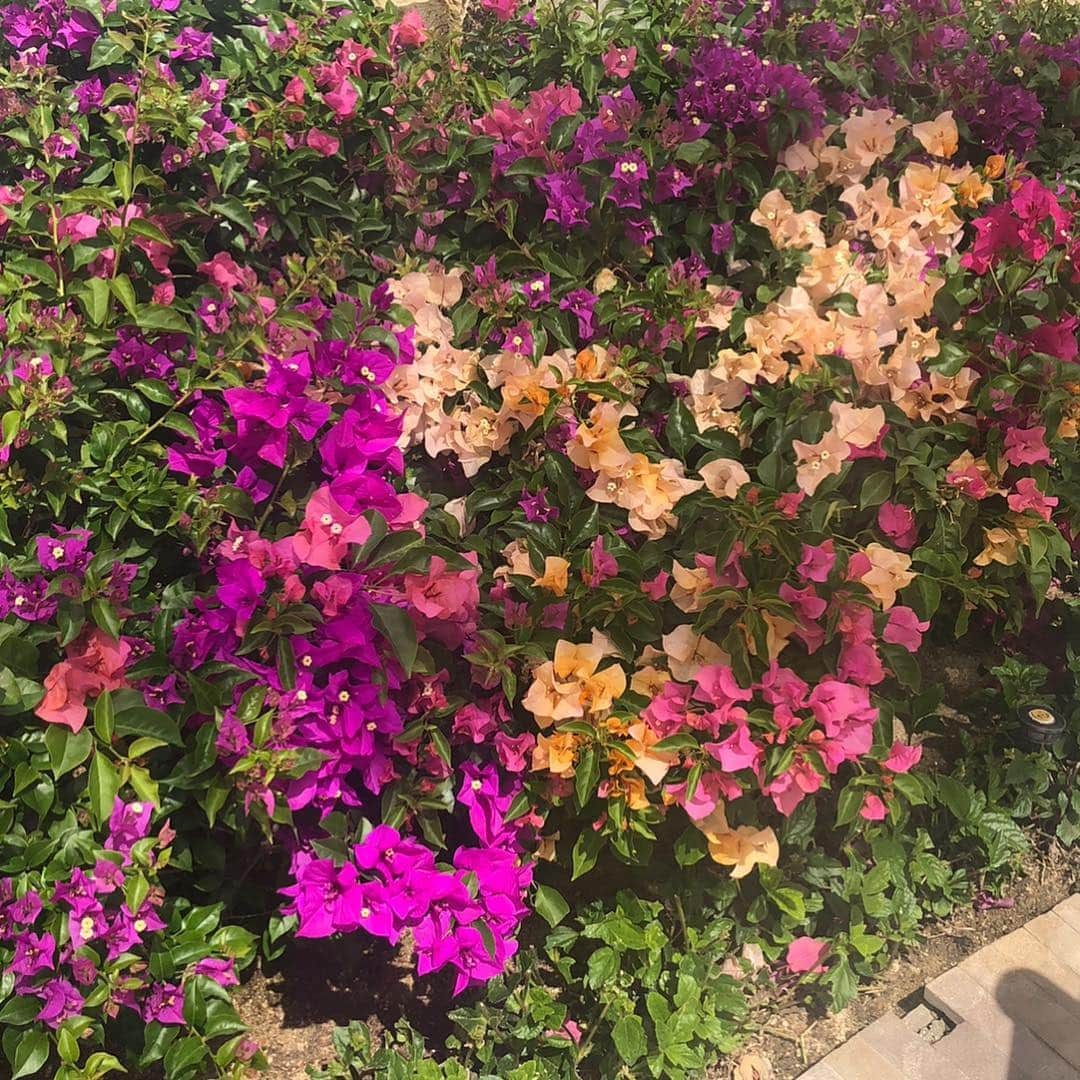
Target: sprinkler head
[(1039, 726)]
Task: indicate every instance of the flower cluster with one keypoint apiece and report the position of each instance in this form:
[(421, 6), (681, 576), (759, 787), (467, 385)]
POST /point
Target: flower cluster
[(88, 936)]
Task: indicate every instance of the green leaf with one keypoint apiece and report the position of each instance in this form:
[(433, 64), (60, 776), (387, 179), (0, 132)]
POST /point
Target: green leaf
[(232, 209), (152, 317), (124, 291), (95, 298), (104, 614), (182, 1055), (603, 967), (31, 1054), (875, 490), (144, 721), (790, 902), (956, 796), (842, 982), (680, 429), (103, 785), (104, 717), (550, 905), (66, 749), (586, 849), (528, 166), (10, 426), (399, 630), (848, 805), (628, 1035), (586, 775)]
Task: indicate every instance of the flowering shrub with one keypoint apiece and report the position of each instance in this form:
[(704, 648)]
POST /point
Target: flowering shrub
[(435, 466)]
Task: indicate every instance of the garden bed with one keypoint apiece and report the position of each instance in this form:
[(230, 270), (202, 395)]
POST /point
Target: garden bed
[(494, 520)]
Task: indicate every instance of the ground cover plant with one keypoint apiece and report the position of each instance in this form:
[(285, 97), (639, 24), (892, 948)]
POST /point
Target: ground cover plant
[(483, 480)]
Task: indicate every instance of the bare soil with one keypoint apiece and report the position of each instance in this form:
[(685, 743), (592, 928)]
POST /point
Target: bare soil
[(293, 1007), (796, 1038)]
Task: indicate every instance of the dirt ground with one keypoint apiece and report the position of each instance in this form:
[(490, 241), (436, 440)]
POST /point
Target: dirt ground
[(332, 983), (795, 1039)]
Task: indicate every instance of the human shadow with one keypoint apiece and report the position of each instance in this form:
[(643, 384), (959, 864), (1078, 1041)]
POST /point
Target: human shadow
[(1045, 1038)]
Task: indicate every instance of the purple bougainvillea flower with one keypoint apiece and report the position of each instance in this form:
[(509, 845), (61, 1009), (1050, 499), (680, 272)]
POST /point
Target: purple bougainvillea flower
[(61, 1000)]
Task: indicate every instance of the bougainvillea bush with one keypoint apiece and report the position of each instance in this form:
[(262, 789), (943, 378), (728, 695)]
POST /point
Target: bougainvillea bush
[(468, 470)]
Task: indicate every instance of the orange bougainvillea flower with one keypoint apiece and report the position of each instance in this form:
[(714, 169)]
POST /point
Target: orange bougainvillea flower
[(555, 753), (630, 788), (653, 763), (95, 663), (1001, 546), (741, 848), (889, 573), (555, 575)]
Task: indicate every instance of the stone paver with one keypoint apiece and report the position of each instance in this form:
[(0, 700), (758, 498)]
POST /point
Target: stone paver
[(1015, 1005)]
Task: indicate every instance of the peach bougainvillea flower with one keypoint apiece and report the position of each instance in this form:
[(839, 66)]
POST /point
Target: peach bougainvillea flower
[(939, 136), (724, 477), (890, 571), (1002, 546), (857, 427), (688, 653), (570, 685), (819, 460), (95, 663), (871, 135)]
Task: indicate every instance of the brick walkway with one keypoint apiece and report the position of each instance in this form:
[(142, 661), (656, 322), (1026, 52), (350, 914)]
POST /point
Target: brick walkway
[(1010, 1012)]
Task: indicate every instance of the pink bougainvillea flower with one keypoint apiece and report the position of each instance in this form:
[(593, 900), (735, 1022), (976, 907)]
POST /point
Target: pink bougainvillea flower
[(905, 628), (76, 227), (1026, 446), (737, 751), (619, 63), (445, 600), (503, 10), (656, 587), (1057, 339), (342, 98), (322, 143), (791, 787), (873, 809), (897, 522), (817, 562), (805, 953), (409, 31), (1028, 497), (902, 758), (327, 532)]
